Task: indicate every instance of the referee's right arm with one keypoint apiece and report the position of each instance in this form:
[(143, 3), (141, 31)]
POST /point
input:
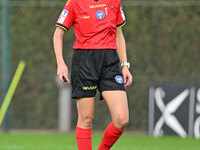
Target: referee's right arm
[(62, 70), (63, 24)]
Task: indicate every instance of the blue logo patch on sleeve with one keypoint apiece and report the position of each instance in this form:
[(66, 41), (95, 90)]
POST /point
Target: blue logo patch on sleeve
[(121, 9), (100, 14), (122, 13), (63, 16), (119, 79)]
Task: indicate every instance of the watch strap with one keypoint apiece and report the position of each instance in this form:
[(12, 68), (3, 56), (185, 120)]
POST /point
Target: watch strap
[(125, 64)]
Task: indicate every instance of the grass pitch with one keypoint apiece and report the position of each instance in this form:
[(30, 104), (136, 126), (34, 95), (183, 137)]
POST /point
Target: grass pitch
[(68, 142)]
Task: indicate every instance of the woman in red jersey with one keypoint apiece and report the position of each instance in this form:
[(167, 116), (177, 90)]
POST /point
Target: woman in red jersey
[(99, 48)]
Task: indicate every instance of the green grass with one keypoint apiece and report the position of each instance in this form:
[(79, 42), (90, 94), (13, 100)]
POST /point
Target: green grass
[(68, 142)]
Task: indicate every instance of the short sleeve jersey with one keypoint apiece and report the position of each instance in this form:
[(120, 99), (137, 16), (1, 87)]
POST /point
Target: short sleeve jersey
[(94, 22)]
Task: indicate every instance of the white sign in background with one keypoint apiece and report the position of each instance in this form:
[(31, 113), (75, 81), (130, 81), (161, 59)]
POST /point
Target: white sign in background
[(168, 121), (197, 120)]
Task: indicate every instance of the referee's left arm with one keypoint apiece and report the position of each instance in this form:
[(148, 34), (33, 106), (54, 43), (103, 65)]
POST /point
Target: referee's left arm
[(121, 50), (121, 45)]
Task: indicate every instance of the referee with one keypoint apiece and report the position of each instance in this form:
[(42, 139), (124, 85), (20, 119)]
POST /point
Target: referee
[(98, 50)]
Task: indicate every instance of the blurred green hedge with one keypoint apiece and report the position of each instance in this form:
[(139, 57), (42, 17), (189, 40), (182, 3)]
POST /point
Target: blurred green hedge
[(162, 45)]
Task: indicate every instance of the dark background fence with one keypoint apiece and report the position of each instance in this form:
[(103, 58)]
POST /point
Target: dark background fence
[(162, 45)]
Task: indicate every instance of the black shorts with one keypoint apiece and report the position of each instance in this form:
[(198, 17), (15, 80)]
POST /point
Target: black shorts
[(95, 69)]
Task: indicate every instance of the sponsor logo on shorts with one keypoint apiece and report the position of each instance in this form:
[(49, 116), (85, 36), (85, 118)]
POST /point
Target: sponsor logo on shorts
[(63, 16), (100, 14), (86, 88), (119, 79), (107, 146)]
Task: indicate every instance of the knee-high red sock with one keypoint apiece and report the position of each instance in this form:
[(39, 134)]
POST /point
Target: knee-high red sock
[(83, 139), (111, 135)]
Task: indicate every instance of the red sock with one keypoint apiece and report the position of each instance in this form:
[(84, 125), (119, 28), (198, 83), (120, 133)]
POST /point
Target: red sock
[(111, 135), (83, 139)]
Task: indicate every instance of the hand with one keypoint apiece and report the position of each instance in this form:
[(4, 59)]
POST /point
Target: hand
[(126, 76), (62, 71)]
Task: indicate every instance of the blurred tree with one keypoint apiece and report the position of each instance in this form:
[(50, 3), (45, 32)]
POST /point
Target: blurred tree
[(162, 46)]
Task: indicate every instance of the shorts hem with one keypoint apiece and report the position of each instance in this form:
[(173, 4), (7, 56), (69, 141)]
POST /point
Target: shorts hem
[(77, 97), (101, 96), (113, 90)]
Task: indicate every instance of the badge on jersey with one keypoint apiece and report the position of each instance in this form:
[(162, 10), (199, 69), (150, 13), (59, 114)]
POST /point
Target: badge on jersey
[(122, 13), (63, 16), (119, 79), (100, 14)]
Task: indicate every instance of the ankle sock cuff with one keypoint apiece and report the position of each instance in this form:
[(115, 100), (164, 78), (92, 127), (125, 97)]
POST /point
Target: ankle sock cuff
[(114, 131), (82, 133)]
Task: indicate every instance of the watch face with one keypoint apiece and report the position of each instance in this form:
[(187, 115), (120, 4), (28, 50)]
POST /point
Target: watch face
[(125, 64)]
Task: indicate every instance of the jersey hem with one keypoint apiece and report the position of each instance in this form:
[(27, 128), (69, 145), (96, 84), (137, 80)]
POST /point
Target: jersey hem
[(122, 24), (95, 48), (61, 26)]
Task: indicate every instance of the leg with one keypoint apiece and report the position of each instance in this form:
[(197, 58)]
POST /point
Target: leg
[(117, 104), (85, 108)]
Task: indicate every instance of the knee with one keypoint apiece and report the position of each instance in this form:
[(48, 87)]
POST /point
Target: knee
[(86, 121), (121, 122)]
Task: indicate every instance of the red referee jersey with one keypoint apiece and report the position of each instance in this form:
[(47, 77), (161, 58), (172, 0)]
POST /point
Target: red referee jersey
[(94, 22)]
